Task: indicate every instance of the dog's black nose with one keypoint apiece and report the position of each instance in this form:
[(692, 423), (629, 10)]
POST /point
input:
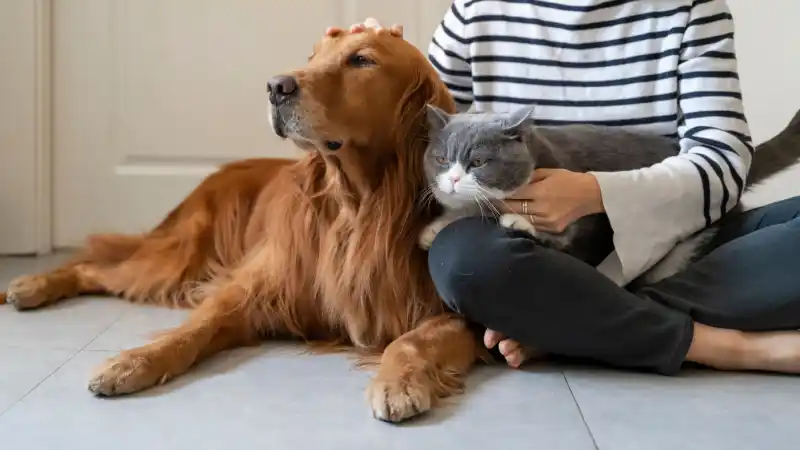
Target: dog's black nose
[(281, 88)]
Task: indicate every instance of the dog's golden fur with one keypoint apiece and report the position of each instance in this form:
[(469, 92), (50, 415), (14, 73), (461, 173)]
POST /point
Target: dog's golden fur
[(323, 248)]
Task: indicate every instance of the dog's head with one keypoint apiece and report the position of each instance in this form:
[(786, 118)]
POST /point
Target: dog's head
[(360, 98)]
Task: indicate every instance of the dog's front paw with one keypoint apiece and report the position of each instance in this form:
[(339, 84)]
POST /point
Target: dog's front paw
[(517, 222), (29, 291), (126, 374), (398, 399)]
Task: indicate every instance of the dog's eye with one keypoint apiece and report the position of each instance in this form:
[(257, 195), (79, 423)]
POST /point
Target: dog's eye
[(441, 160), (357, 60)]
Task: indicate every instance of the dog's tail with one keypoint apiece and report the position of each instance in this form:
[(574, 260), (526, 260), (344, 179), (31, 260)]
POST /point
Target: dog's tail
[(776, 154)]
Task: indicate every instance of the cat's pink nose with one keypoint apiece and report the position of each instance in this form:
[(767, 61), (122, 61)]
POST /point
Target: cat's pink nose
[(455, 178)]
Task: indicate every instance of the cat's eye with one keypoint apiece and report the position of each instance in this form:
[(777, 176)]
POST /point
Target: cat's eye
[(478, 162), (441, 160)]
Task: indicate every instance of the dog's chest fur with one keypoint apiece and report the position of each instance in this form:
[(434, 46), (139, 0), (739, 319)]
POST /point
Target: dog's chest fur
[(365, 274)]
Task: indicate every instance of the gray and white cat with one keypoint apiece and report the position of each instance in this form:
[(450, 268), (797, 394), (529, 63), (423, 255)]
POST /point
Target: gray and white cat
[(473, 159)]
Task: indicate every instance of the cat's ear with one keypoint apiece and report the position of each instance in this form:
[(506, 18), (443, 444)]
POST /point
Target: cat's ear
[(518, 122), (437, 118)]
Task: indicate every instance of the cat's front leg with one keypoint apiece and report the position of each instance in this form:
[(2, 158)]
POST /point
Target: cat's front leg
[(518, 222), (429, 233), (556, 241)]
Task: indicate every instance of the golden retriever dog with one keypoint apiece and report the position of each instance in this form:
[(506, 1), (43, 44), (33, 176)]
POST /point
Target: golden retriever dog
[(321, 249)]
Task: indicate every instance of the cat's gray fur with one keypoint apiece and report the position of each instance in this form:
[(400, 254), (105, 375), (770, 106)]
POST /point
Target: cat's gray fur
[(512, 146)]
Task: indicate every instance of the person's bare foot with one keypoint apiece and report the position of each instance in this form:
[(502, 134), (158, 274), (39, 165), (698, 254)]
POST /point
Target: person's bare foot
[(774, 351), (781, 350), (514, 353)]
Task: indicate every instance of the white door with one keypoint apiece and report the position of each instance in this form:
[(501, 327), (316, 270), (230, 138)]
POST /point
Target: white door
[(152, 95), (24, 133)]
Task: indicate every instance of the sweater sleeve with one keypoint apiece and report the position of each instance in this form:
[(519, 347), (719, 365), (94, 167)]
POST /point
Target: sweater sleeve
[(448, 52), (652, 209)]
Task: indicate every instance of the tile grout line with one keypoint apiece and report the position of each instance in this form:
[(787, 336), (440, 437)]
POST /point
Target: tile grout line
[(47, 377), (580, 411), (114, 322)]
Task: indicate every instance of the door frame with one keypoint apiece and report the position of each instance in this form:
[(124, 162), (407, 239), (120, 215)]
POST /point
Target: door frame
[(43, 118)]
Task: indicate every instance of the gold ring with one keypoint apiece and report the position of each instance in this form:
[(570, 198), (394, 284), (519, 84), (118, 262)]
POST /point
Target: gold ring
[(524, 207)]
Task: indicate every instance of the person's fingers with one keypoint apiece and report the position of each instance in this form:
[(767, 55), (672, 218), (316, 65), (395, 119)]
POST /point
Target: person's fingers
[(508, 205), (525, 192), (504, 206), (541, 174), (357, 28), (491, 338), (371, 22), (333, 31), (396, 30), (526, 208)]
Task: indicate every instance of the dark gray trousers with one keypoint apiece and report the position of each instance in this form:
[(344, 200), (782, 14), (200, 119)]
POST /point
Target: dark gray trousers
[(503, 280)]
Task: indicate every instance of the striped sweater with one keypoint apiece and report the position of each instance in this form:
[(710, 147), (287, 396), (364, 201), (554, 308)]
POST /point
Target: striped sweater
[(660, 66)]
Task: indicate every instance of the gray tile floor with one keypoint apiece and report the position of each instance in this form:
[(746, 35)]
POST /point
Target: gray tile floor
[(276, 397)]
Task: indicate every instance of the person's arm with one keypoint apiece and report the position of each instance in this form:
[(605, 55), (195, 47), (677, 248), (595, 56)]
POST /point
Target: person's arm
[(448, 52), (651, 209)]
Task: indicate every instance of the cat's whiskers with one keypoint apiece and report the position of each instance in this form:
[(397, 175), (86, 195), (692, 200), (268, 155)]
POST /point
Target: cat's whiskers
[(427, 196), (483, 193), (477, 201), (503, 202), (481, 200), (475, 196), (485, 201)]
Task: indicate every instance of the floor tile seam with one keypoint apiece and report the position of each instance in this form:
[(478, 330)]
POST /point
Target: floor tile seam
[(71, 357), (580, 410)]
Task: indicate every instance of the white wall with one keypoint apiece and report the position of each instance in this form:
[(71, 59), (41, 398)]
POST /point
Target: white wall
[(768, 45)]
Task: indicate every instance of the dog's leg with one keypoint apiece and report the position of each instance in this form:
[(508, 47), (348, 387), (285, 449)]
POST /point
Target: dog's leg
[(422, 366), (157, 267), (34, 291), (219, 323)]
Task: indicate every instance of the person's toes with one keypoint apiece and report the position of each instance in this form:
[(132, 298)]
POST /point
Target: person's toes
[(508, 346), (516, 357), (491, 338), (514, 352)]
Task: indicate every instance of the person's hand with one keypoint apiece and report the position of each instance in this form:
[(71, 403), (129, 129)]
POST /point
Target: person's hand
[(369, 23), (556, 198)]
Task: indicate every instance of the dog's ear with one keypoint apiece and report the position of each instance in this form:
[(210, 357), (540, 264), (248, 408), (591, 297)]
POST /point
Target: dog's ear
[(437, 118), (518, 123), (426, 100)]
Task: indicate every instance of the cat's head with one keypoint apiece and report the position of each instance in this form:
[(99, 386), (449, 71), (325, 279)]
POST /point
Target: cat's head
[(473, 156)]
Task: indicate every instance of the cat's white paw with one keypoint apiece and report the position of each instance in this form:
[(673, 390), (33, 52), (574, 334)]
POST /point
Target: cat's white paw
[(517, 222), (427, 235)]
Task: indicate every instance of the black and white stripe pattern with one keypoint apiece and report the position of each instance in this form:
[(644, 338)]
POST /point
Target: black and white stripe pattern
[(661, 66)]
